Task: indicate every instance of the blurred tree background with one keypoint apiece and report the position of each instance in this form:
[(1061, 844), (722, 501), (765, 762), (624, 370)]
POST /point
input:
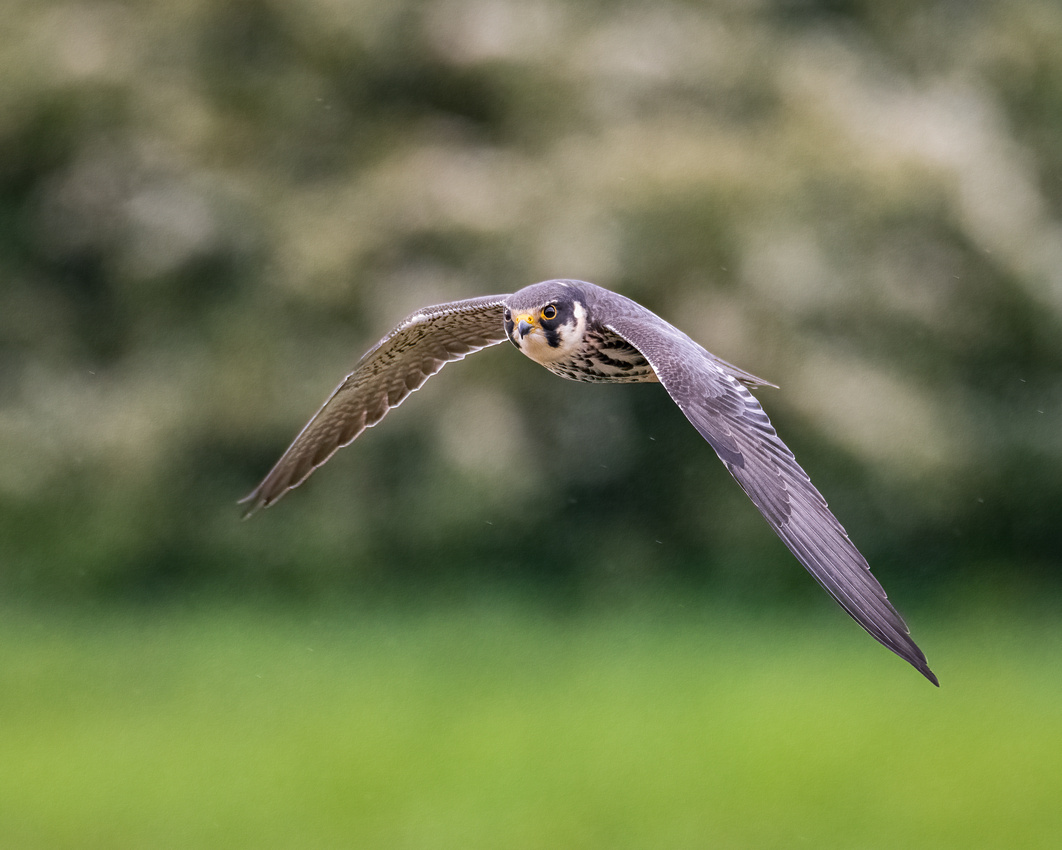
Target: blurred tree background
[(208, 211), (525, 612)]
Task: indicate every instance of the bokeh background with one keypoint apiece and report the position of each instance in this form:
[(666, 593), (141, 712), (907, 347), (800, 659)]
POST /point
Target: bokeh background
[(525, 612)]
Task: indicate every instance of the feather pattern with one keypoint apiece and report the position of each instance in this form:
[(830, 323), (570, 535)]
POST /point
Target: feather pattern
[(393, 368), (586, 333), (729, 417)]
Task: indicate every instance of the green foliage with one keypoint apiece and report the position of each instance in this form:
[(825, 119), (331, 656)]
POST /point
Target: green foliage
[(208, 211)]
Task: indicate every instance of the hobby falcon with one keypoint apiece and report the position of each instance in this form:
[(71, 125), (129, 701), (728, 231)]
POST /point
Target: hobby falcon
[(586, 333)]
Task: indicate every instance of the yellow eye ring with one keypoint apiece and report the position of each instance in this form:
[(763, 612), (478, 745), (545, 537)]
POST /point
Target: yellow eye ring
[(549, 312)]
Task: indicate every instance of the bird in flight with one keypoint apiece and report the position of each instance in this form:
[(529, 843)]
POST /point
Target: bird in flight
[(587, 333)]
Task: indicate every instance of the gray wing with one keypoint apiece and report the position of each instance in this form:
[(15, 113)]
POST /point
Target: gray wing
[(732, 421), (393, 368)]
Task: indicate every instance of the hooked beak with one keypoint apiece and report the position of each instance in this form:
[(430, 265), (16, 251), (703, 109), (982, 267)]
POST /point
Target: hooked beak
[(524, 325)]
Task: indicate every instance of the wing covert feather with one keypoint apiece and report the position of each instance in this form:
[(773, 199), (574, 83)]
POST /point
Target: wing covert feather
[(397, 365)]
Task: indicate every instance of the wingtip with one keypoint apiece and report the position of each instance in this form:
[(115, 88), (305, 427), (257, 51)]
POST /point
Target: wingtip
[(917, 659), (253, 502), (754, 383), (913, 656)]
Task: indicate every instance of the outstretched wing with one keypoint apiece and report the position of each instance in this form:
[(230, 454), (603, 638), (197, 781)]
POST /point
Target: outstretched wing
[(393, 368), (732, 421)]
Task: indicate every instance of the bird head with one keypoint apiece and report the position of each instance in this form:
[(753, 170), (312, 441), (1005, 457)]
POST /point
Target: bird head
[(546, 321)]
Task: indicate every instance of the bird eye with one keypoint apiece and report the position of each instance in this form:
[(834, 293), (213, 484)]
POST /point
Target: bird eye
[(549, 312), (508, 315)]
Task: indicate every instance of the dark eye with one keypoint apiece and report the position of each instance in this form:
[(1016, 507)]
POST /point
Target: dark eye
[(549, 312), (508, 315)]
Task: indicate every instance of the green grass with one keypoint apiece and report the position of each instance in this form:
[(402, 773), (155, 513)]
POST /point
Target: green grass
[(507, 726)]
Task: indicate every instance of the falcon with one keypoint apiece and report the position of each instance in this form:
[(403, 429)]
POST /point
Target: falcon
[(587, 333)]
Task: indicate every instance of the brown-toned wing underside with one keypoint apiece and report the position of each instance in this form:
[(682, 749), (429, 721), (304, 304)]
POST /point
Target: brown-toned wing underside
[(728, 416), (393, 368)]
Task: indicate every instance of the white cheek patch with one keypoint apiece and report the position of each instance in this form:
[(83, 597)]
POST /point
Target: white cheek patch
[(580, 324), (570, 337)]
